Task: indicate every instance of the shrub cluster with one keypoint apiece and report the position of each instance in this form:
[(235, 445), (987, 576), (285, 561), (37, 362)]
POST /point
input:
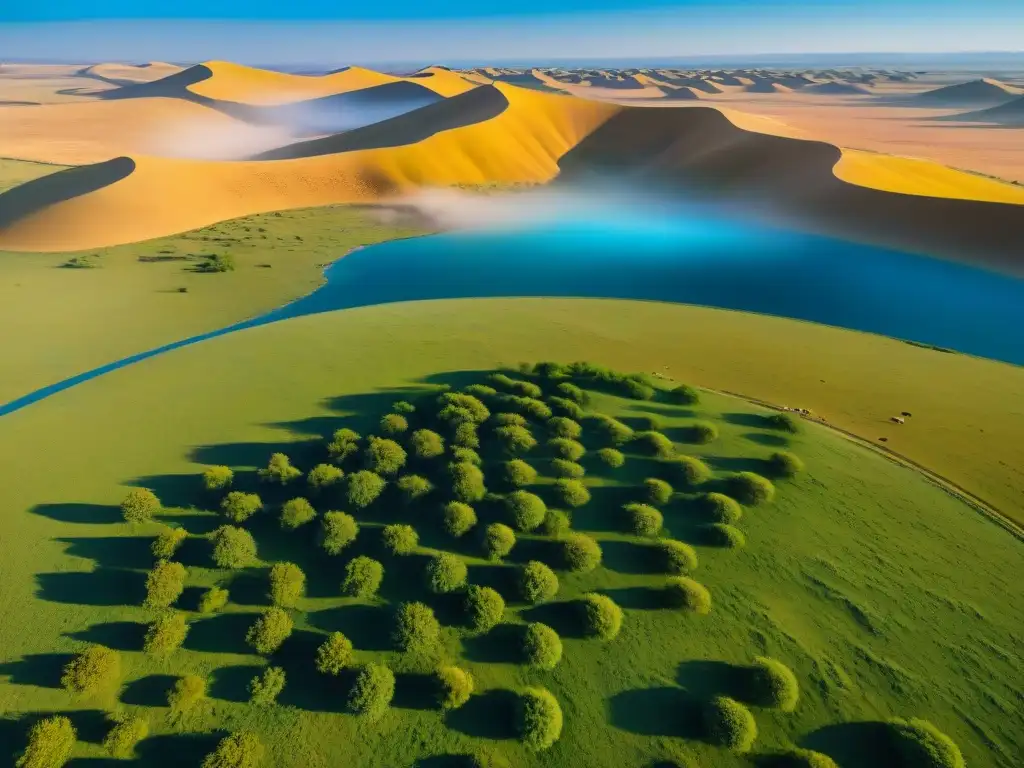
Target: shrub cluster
[(540, 719), (466, 436), (139, 505), (783, 422), (570, 492), (218, 478), (689, 595), (237, 750), (164, 584), (279, 470), (49, 744), (804, 758), (239, 507), (920, 744), (508, 384), (467, 481), (454, 686), (720, 508), (515, 439), (296, 513), (684, 394), (186, 693), (270, 630), (233, 547), (498, 541), (655, 444), (399, 539), (601, 617), (467, 455), (127, 731), (751, 489), (480, 391), (580, 553), (518, 473), (213, 600), (363, 576), (785, 464), (570, 391), (560, 426), (643, 520), (611, 457), (393, 424), (337, 531), (677, 557), (537, 582), (729, 724), (426, 444), (343, 445), (445, 573), (688, 471), (323, 476), (525, 510), (485, 608), (566, 407), (612, 430), (701, 432), (384, 456), (334, 655), (166, 634), (266, 687), (363, 488), (657, 492), (556, 523), (725, 535), (414, 487), (509, 420), (416, 628), (773, 684), (478, 412), (459, 518), (95, 668), (567, 469), (542, 647), (287, 584), (566, 448), (166, 544)]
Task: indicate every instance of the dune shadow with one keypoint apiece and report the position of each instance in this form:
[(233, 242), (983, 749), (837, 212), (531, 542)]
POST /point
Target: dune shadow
[(662, 711), (865, 744), (705, 679), (149, 691), (86, 514), (119, 635), (40, 669), (127, 552), (102, 587), (369, 627), (489, 715), (223, 633), (501, 645)]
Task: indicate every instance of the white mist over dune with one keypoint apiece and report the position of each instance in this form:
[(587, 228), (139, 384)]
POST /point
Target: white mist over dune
[(208, 140)]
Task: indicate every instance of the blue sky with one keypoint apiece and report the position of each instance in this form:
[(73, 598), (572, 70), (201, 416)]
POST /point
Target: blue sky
[(366, 31)]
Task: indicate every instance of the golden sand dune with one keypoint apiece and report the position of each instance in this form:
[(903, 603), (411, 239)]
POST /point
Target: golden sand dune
[(521, 135), (127, 74), (1010, 114), (974, 93)]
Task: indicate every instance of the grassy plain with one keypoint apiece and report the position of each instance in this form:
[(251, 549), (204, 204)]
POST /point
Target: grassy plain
[(886, 595)]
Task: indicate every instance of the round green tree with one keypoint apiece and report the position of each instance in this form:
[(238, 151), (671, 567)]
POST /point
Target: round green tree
[(509, 420), (416, 628), (186, 693), (296, 513), (426, 444), (399, 539), (785, 464), (559, 426), (413, 487), (384, 456), (454, 687), (467, 482), (166, 544), (270, 631), (393, 424), (687, 471), (689, 595), (601, 617), (643, 520), (676, 557), (537, 582), (724, 535), (657, 492), (751, 489), (612, 430), (446, 573), (166, 634), (239, 507), (279, 470), (127, 731), (567, 469), (773, 684), (721, 508), (363, 488), (556, 523), (702, 432), (542, 647), (324, 476), (49, 744), (655, 444), (94, 669), (570, 391), (565, 407), (805, 758), (343, 446), (334, 655), (580, 553), (498, 541), (684, 394), (539, 719), (218, 478), (611, 457), (920, 744), (515, 439), (139, 505), (566, 448), (265, 687), (459, 518), (164, 584), (729, 724), (337, 531), (784, 422), (287, 584), (484, 607), (237, 750), (518, 473), (570, 492), (525, 510), (213, 600), (363, 576)]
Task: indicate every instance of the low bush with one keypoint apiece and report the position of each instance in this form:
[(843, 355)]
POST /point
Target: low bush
[(751, 489), (542, 647), (688, 471), (580, 553), (566, 468), (804, 758), (403, 407), (323, 476), (139, 505), (571, 392), (518, 473), (498, 541), (729, 724), (467, 455), (233, 547), (166, 544), (213, 600), (486, 760), (566, 448), (484, 607), (187, 692), (570, 492), (785, 464), (537, 582), (393, 424), (515, 386), (467, 482), (426, 444), (556, 523), (343, 445), (783, 422), (720, 508), (337, 531), (480, 391), (363, 576), (458, 518), (684, 394), (166, 634), (509, 420), (643, 520), (445, 573), (270, 631), (218, 478), (920, 744), (540, 719), (601, 617), (773, 684), (657, 492), (560, 426), (724, 535), (239, 507), (612, 430), (94, 669), (164, 584), (414, 487), (49, 744), (454, 687), (287, 584), (689, 595), (127, 731), (383, 456), (479, 413), (611, 457), (532, 408), (565, 407), (677, 557), (466, 436), (279, 470), (296, 513), (655, 444), (241, 749), (525, 510), (363, 488), (514, 439), (416, 628), (701, 433), (637, 390), (399, 539), (267, 686), (334, 655)]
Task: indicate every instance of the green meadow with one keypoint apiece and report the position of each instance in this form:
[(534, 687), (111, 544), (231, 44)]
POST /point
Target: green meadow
[(883, 593)]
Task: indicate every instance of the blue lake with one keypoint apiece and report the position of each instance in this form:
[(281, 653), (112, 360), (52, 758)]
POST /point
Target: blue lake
[(693, 258)]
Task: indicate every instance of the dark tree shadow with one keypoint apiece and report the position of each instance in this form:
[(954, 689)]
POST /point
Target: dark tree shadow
[(663, 711), (865, 744), (306, 687), (767, 438), (197, 522), (369, 627), (502, 645), (237, 455), (195, 552), (446, 761), (86, 514), (223, 633), (250, 587), (565, 617), (753, 420), (707, 679), (172, 751), (498, 576), (119, 635), (232, 683), (629, 557), (174, 491), (735, 464), (106, 586), (491, 715), (131, 552), (149, 691), (414, 690), (548, 551), (638, 598), (41, 669)]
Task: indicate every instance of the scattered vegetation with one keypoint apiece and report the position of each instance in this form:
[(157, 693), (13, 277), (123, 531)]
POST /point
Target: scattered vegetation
[(684, 394), (372, 692), (279, 470), (139, 506), (751, 489), (237, 750), (498, 541), (127, 731), (773, 684), (49, 744), (270, 631), (239, 507), (337, 531), (267, 686), (416, 628), (166, 634), (323, 476), (485, 608), (94, 669), (729, 724), (187, 692), (166, 544), (689, 595), (233, 547), (454, 687), (542, 647), (213, 600), (783, 422), (540, 719), (602, 618)]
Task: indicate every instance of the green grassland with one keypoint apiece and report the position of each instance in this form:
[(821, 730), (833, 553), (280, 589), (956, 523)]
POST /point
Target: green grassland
[(885, 594)]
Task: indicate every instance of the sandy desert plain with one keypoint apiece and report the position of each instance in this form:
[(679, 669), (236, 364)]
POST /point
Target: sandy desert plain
[(256, 515)]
